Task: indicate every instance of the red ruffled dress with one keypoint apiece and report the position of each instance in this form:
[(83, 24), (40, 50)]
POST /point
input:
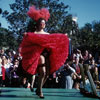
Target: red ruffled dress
[(33, 45)]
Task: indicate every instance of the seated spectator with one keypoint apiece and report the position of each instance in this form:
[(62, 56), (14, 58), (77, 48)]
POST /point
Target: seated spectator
[(94, 70), (98, 66)]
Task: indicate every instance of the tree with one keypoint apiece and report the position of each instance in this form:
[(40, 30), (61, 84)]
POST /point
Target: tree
[(86, 36), (7, 39), (96, 31), (89, 36), (0, 13), (18, 19)]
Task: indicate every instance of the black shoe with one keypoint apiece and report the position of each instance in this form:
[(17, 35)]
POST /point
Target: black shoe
[(39, 94)]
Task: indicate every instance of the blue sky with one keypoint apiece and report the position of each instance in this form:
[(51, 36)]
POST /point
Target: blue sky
[(4, 4), (87, 11)]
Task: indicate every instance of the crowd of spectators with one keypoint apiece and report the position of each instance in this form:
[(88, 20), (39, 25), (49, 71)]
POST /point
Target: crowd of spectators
[(68, 76), (9, 61)]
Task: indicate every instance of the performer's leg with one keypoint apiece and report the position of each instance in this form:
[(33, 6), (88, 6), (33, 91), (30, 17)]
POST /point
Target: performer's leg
[(46, 75), (42, 72), (47, 64)]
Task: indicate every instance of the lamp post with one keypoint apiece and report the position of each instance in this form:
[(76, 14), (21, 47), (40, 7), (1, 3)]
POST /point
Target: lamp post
[(74, 32), (74, 24), (74, 18)]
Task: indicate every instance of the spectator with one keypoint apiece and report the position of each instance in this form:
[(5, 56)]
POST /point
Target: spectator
[(94, 70), (2, 52), (14, 76), (69, 71), (0, 72), (98, 65), (77, 75)]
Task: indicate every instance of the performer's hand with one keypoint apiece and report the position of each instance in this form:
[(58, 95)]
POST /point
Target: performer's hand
[(66, 34), (24, 34)]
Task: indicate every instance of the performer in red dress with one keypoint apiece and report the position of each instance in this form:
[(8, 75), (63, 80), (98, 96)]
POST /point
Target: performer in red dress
[(43, 53)]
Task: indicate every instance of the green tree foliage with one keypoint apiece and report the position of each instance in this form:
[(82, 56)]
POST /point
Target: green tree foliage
[(0, 13), (89, 36), (60, 20), (96, 30), (86, 35), (7, 39), (18, 19)]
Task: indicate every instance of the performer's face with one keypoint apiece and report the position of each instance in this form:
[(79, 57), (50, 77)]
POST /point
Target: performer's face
[(42, 24)]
